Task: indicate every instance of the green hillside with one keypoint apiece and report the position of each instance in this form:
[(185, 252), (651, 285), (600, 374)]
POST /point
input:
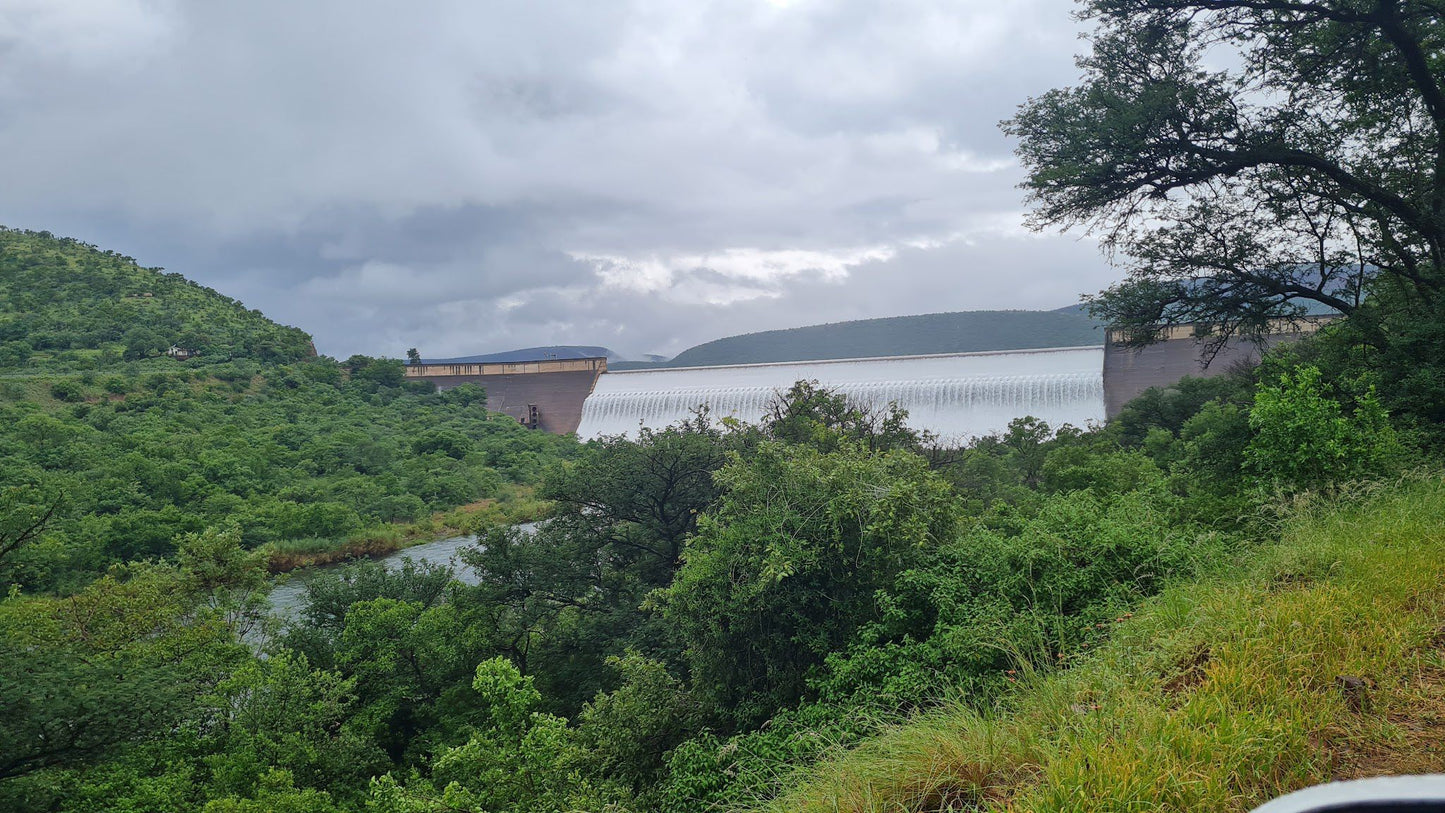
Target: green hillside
[(65, 304), (123, 450), (963, 332)]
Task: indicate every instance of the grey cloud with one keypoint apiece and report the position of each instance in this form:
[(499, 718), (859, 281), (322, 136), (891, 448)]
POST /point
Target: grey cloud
[(439, 173)]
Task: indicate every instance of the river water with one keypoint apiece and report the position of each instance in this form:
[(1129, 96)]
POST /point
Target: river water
[(286, 597), (956, 396)]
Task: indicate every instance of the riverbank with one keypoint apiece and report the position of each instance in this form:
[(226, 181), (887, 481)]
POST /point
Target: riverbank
[(515, 505)]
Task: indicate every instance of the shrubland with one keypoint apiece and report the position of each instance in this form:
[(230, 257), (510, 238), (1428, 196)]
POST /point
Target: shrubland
[(310, 460), (68, 305), (826, 610), (122, 453), (1230, 590), (1317, 659)]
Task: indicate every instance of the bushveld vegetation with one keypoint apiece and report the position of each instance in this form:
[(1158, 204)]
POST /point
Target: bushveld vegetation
[(308, 459), (68, 305), (1231, 590), (1318, 658), (826, 611)]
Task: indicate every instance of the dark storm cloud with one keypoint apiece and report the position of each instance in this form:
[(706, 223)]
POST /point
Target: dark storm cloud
[(464, 177)]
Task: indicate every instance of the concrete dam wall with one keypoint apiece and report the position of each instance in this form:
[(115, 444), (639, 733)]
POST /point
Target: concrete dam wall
[(1129, 371), (956, 396), (546, 395)]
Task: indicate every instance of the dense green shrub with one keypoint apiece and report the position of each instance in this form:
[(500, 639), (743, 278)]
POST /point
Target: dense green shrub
[(1305, 439), (67, 390), (174, 452), (784, 569), (63, 300)]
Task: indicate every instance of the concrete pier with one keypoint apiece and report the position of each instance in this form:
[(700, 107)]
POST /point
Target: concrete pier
[(557, 388)]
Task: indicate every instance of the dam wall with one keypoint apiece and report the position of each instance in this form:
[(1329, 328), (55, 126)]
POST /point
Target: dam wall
[(1128, 371), (557, 388), (956, 396)]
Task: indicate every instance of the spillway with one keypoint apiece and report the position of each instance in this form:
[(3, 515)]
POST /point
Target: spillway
[(956, 396)]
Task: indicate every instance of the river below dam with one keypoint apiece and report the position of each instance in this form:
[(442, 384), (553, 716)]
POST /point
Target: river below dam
[(956, 396), (286, 598)]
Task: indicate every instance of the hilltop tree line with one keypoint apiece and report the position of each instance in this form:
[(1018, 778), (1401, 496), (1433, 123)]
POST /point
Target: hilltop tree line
[(65, 304)]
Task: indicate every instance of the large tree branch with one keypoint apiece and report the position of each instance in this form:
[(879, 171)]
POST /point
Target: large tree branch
[(9, 543), (1417, 63), (1385, 16), (1328, 12), (1227, 162)]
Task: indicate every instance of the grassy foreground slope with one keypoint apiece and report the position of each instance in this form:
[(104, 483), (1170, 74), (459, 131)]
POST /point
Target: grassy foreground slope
[(1321, 659)]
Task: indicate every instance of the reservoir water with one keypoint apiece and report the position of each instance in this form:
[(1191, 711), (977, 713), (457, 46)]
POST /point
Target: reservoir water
[(956, 396)]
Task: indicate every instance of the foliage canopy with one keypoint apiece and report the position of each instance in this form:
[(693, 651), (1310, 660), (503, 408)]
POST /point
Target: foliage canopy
[(1251, 159)]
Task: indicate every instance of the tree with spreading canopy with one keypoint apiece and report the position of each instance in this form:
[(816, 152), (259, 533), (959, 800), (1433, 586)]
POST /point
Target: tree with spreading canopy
[(1252, 160)]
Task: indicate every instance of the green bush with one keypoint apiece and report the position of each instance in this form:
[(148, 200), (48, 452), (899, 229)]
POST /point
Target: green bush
[(1305, 439), (15, 353), (784, 569), (67, 390)]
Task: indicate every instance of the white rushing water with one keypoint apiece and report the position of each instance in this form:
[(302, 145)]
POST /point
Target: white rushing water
[(956, 396)]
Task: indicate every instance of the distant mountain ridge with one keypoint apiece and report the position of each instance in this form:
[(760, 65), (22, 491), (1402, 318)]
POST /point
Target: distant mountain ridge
[(555, 351), (924, 334)]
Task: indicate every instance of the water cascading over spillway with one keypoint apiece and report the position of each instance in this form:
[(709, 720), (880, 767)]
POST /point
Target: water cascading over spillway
[(956, 396)]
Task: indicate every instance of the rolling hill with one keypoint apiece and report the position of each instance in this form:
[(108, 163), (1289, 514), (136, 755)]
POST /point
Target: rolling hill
[(66, 304)]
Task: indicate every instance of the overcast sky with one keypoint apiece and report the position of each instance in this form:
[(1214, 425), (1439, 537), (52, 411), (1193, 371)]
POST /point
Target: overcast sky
[(467, 176)]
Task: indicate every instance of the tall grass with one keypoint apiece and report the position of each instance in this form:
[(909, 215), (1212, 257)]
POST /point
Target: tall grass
[(290, 554), (1321, 658)]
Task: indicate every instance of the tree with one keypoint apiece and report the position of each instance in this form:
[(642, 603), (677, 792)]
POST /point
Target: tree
[(518, 758), (413, 356), (1308, 172), (24, 514), (569, 593), (15, 353), (278, 711), (67, 389), (124, 660), (410, 663), (812, 414), (380, 372), (141, 342), (642, 495), (786, 566)]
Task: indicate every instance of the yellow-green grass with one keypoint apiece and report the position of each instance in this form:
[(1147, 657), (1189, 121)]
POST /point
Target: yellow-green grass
[(514, 504), (1215, 696), (285, 555)]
